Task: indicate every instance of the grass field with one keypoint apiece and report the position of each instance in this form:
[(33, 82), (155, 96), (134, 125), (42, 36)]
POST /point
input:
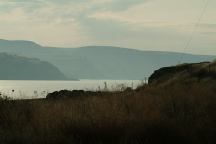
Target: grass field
[(178, 111)]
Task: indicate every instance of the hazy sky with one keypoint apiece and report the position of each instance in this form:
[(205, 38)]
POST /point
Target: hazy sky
[(143, 24)]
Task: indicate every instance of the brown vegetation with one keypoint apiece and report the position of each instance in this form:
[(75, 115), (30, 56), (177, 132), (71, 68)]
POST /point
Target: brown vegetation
[(182, 110)]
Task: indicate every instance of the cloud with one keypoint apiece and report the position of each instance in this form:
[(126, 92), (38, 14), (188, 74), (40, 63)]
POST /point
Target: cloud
[(144, 24), (116, 34), (97, 4), (46, 24), (107, 4), (120, 5)]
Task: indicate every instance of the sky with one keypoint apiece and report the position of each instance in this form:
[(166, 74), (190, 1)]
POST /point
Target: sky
[(160, 25)]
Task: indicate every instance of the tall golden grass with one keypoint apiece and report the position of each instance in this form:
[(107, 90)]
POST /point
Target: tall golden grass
[(180, 112)]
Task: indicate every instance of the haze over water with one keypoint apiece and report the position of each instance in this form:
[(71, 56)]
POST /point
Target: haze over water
[(39, 89)]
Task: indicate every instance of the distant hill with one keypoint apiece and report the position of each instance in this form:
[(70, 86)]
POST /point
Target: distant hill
[(18, 44), (101, 62), (14, 67)]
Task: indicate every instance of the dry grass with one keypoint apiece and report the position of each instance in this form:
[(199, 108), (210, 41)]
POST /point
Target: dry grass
[(178, 109), (174, 113)]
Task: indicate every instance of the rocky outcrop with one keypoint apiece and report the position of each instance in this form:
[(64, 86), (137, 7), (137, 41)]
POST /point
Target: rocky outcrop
[(71, 94), (196, 71)]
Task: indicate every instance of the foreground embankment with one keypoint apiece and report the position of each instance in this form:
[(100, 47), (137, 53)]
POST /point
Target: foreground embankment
[(177, 106)]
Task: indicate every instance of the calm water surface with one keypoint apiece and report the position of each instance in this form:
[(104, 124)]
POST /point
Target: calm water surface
[(39, 89)]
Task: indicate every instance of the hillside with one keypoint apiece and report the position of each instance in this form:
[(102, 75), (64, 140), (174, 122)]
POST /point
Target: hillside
[(204, 72), (101, 62), (176, 107), (21, 44), (21, 68)]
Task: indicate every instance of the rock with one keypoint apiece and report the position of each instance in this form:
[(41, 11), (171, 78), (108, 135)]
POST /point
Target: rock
[(199, 71)]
